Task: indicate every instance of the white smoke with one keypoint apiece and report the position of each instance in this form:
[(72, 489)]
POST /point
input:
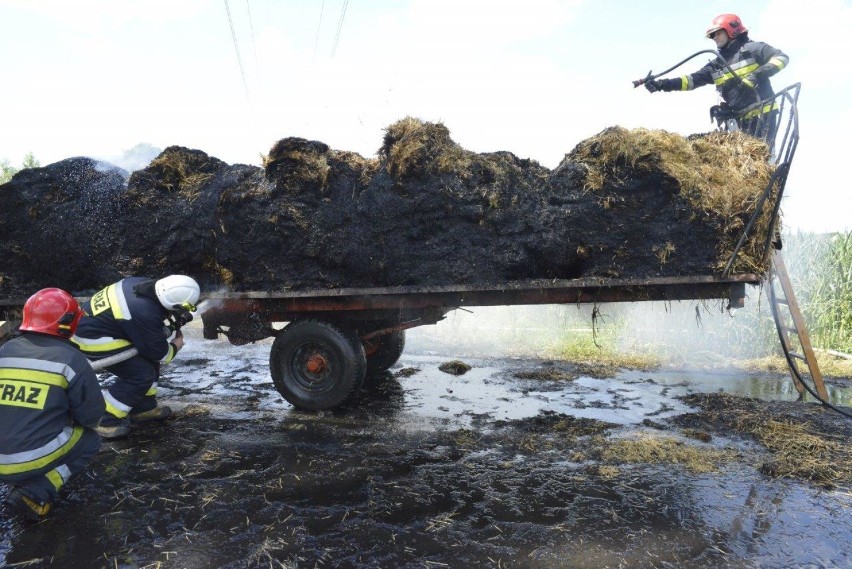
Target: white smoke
[(136, 158), (688, 333)]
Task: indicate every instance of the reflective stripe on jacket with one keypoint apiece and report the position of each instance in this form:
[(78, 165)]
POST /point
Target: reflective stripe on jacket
[(121, 316), (744, 57), (48, 393)]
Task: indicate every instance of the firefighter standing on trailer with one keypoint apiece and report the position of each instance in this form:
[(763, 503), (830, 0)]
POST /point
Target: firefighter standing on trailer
[(50, 402), (129, 314), (752, 62)]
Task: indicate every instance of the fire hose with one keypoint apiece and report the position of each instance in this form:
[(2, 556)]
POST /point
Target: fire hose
[(651, 76), (112, 360)]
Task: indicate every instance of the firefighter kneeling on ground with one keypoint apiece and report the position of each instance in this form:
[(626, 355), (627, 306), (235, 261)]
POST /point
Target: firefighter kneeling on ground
[(132, 314), (50, 402)]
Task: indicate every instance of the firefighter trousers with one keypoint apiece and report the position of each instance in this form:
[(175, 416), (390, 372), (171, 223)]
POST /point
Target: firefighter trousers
[(43, 484), (133, 387)]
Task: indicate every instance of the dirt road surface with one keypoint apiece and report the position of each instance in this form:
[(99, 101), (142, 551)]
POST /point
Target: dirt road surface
[(516, 463)]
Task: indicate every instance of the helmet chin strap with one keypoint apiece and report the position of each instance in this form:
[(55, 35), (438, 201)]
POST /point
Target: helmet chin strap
[(64, 324)]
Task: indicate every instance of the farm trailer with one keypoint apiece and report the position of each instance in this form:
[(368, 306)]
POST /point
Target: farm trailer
[(335, 337)]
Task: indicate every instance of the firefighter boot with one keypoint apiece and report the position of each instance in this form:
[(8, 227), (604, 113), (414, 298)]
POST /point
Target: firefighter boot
[(112, 427), (155, 414), (148, 411), (27, 507)]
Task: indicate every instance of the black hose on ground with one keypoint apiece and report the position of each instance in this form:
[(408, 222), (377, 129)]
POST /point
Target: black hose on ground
[(814, 393), (792, 365)]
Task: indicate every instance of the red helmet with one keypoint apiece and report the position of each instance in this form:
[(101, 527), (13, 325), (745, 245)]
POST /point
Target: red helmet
[(731, 23), (52, 311)]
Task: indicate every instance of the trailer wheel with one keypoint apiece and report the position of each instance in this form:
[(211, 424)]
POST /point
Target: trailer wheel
[(316, 365), (384, 351), (210, 329)]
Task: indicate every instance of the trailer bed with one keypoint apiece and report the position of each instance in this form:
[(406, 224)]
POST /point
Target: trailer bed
[(573, 291)]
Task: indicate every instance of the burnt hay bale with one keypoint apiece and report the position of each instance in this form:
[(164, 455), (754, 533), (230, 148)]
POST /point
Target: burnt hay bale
[(169, 223), (717, 179), (622, 204), (55, 226)]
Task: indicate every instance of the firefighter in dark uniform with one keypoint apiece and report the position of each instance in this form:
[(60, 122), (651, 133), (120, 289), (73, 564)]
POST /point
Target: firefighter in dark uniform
[(752, 63), (131, 315), (50, 402)]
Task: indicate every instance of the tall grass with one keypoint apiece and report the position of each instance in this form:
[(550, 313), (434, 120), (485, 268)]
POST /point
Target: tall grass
[(820, 268), (829, 304)]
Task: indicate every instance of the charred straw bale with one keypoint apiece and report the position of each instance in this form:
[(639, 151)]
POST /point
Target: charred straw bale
[(413, 149), (622, 204), (168, 223), (289, 228), (720, 174), (52, 226), (435, 213), (177, 170), (297, 166)]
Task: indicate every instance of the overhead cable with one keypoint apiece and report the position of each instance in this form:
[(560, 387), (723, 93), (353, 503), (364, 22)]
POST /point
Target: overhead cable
[(339, 26), (319, 25), (253, 42), (237, 50)]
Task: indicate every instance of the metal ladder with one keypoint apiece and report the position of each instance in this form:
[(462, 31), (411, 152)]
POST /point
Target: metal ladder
[(791, 329)]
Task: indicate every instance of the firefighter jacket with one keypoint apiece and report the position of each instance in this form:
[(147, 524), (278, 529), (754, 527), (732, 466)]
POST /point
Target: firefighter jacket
[(745, 58), (48, 395), (122, 316)]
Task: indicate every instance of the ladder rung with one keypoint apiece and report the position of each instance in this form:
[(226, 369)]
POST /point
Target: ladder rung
[(800, 356), (792, 329), (781, 301)]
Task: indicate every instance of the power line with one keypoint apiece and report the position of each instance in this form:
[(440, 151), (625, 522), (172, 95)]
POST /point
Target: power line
[(319, 25), (253, 42), (237, 50), (339, 26)]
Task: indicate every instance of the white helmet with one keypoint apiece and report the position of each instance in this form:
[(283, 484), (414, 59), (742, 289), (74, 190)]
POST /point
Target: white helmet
[(177, 291)]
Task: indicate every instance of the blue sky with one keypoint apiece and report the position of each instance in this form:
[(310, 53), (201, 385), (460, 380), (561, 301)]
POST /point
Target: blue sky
[(533, 77)]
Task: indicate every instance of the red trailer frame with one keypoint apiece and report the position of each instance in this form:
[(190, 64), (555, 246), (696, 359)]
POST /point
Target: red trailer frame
[(336, 337)]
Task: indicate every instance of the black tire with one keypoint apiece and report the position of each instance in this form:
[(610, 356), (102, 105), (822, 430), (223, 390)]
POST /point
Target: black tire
[(316, 365), (390, 347), (210, 329)]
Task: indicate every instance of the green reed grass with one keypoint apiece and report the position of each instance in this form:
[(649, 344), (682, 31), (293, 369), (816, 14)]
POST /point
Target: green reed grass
[(823, 284)]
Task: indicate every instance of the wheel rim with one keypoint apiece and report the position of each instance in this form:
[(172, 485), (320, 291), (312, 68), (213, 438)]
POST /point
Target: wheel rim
[(311, 366)]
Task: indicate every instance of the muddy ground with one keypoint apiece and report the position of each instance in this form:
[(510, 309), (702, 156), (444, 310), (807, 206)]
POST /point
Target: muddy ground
[(515, 463)]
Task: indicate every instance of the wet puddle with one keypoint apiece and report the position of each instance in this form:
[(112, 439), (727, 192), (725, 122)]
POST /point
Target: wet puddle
[(507, 465)]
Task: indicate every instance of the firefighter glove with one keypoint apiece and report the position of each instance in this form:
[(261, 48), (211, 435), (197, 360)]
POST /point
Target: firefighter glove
[(653, 85), (750, 80), (721, 113)]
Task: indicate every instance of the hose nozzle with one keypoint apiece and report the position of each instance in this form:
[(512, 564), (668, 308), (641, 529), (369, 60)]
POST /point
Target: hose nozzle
[(644, 80)]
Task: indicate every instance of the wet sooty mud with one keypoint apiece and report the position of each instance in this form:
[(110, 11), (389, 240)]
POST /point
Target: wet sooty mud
[(239, 479)]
